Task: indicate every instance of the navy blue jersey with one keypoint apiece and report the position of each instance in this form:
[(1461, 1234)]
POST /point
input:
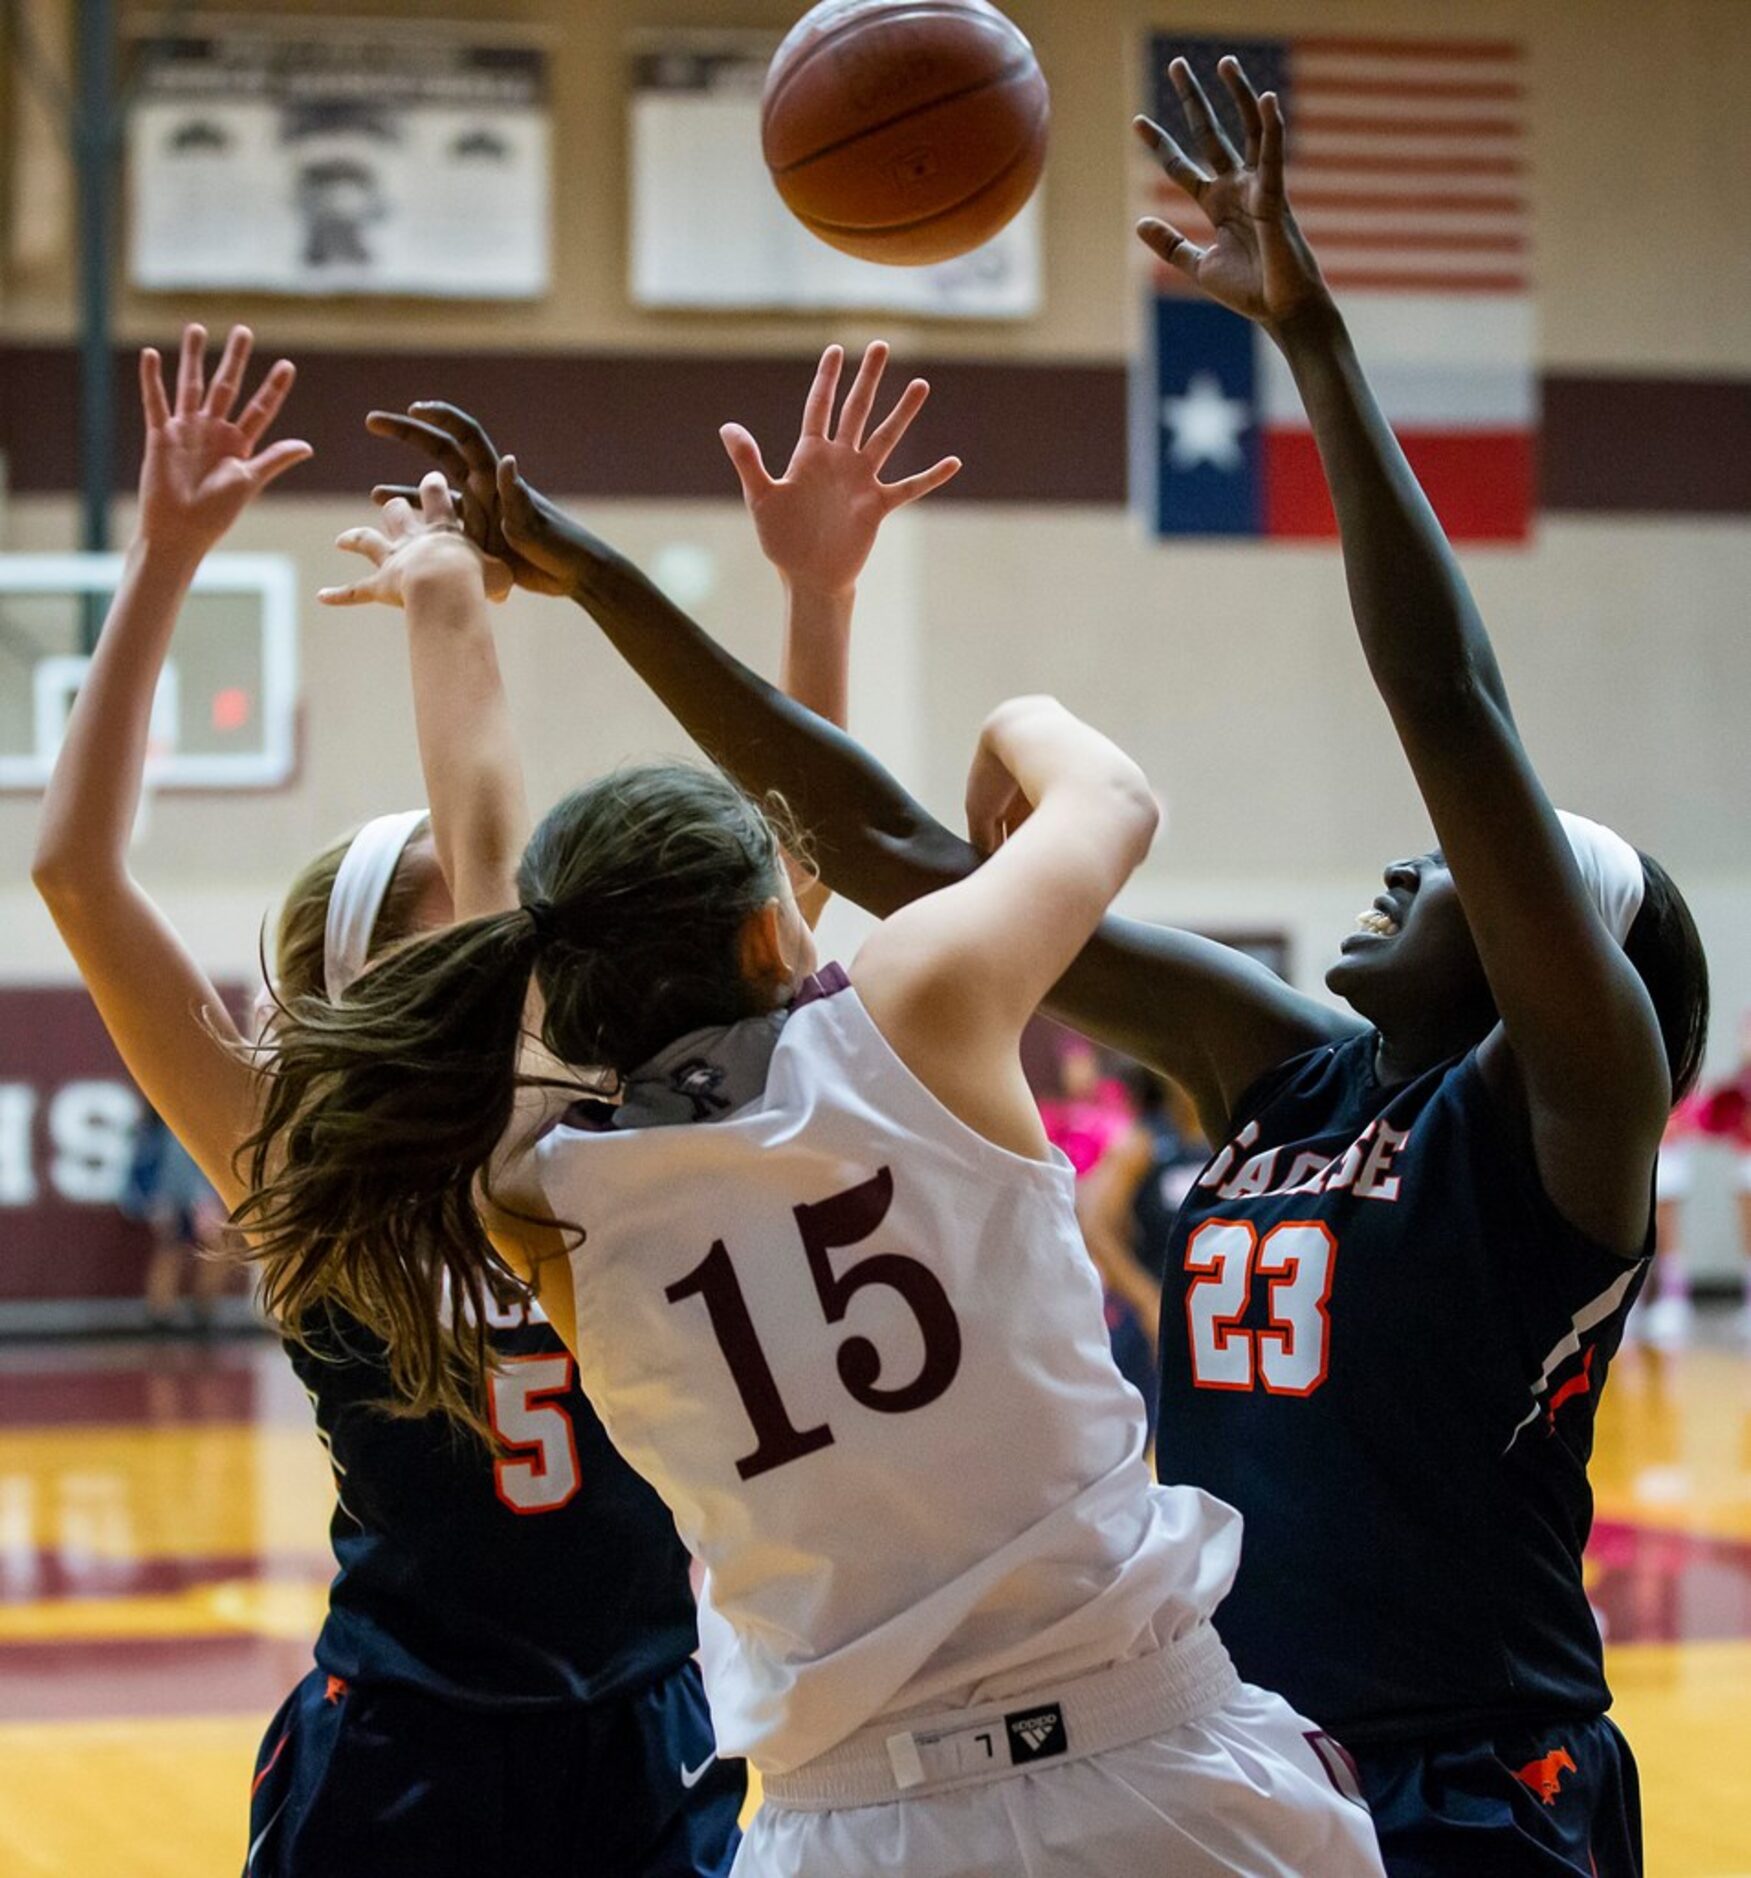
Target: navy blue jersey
[(1384, 1344), (548, 1575)]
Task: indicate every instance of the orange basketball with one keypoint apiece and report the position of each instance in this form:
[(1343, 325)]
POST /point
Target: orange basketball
[(904, 131)]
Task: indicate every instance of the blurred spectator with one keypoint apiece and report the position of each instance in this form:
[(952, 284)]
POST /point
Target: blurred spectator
[(1725, 1116), (1663, 1315), (1127, 1205), (1722, 1115), (168, 1194)]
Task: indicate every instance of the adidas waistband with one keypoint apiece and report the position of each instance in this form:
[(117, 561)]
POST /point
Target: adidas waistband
[(1044, 1727)]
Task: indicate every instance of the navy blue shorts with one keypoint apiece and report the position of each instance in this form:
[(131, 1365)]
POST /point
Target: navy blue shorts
[(1537, 1803), (356, 1782)]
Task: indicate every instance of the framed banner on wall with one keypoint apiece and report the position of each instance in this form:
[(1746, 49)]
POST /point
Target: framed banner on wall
[(339, 156), (710, 230)]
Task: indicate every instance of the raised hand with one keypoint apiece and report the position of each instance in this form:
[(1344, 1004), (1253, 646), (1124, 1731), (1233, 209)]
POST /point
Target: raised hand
[(459, 445), (1259, 264), (544, 549), (201, 469), (429, 540), (818, 521)]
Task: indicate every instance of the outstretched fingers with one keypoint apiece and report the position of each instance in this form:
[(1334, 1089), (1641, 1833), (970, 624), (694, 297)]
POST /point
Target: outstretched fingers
[(435, 443), (745, 457), (359, 593), (382, 493), (1246, 100), (885, 438), (527, 531), (909, 488), (1171, 157), (277, 459), (376, 548), (1164, 239), (1201, 120), (398, 517), (860, 399), (372, 543), (818, 406), (1271, 148), (188, 370), (466, 431), (228, 377), (436, 507), (152, 397), (264, 407)]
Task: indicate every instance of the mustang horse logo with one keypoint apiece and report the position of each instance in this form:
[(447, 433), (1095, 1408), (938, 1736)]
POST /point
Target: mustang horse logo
[(1544, 1776)]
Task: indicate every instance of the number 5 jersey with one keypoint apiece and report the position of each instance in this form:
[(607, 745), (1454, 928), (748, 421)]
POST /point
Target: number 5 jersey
[(860, 1352), (1383, 1340), (460, 1571)]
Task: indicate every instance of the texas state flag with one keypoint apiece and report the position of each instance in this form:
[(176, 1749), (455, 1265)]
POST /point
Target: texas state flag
[(1406, 165)]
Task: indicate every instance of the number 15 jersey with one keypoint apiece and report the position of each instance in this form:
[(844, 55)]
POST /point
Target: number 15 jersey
[(860, 1352)]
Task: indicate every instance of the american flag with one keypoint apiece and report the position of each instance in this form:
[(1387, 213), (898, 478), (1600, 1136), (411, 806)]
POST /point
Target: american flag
[(1407, 165)]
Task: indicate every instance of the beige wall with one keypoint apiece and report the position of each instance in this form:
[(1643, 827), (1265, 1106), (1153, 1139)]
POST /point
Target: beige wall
[(1231, 671), (1641, 140)]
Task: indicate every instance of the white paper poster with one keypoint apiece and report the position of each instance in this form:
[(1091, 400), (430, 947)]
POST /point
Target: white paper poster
[(710, 230), (375, 159)]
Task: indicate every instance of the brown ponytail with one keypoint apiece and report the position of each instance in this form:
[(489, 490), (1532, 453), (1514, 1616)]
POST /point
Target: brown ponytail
[(380, 1114), (383, 1112)]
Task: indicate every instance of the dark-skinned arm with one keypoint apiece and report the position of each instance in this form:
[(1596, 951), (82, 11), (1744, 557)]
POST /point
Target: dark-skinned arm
[(1579, 1040), (1206, 1016)]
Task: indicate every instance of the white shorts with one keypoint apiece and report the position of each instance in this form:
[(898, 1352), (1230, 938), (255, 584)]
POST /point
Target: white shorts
[(1247, 1787)]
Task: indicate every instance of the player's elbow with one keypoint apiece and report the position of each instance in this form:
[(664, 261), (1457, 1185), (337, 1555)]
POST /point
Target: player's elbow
[(57, 876), (1451, 701), (1128, 812), (1142, 812)]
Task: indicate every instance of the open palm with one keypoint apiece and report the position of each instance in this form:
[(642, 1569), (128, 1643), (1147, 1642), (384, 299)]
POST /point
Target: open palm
[(1259, 263), (201, 468), (818, 521)]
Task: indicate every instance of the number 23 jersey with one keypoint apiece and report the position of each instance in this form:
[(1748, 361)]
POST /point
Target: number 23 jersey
[(1381, 1339), (860, 1352)]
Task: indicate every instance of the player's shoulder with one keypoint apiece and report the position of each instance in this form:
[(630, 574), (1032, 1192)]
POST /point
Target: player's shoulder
[(1331, 1071)]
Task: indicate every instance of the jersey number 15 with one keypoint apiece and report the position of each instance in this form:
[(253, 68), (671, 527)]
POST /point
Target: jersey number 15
[(829, 1226)]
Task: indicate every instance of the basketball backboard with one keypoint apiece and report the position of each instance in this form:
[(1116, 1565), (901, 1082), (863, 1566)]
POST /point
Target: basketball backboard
[(224, 713)]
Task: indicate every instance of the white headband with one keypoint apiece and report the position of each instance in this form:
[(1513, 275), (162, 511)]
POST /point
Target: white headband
[(366, 870), (1611, 870)]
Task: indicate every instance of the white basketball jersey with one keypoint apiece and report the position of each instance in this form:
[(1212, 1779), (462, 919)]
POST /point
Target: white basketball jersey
[(860, 1351)]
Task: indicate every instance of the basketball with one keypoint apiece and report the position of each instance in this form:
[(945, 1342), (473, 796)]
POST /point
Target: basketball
[(904, 131)]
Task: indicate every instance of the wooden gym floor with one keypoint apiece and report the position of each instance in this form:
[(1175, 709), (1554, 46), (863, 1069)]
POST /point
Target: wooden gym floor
[(162, 1566)]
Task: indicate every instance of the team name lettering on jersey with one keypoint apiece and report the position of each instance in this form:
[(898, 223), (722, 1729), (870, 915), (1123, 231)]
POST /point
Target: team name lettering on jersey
[(1364, 1168)]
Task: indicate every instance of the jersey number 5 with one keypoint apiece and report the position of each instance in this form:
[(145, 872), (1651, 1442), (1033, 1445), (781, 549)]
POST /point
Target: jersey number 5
[(1289, 1355), (543, 1476), (831, 1225)]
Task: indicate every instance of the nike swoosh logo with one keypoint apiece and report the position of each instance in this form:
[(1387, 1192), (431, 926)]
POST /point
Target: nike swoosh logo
[(691, 1776)]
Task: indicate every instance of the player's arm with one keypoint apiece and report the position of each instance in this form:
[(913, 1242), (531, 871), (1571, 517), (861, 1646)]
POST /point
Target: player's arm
[(1208, 1017), (817, 524), (422, 561), (952, 980), (1578, 1020), (180, 1045), (1104, 1202)]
